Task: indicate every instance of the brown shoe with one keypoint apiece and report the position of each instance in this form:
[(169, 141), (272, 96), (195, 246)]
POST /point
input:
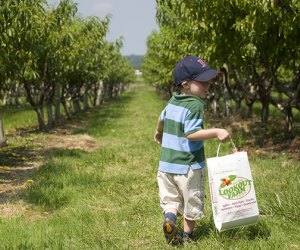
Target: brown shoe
[(170, 231)]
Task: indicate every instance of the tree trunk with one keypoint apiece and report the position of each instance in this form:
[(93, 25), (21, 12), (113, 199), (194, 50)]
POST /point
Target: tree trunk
[(99, 92), (38, 107), (40, 115), (57, 113), (226, 104), (249, 108), (110, 91), (122, 88), (76, 105), (17, 94), (2, 136), (50, 114), (265, 111), (215, 106), (5, 99), (288, 123), (85, 101), (10, 96), (70, 107), (238, 104), (49, 102), (64, 103)]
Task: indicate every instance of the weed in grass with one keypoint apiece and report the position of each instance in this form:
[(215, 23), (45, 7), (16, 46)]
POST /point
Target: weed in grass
[(283, 204)]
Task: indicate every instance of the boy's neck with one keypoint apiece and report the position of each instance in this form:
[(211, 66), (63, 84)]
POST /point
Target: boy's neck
[(185, 92)]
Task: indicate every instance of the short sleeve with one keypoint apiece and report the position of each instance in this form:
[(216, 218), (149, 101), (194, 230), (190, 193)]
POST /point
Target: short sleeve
[(162, 115), (193, 122)]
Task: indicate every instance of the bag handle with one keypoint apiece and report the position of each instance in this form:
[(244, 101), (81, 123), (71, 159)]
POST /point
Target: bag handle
[(233, 145)]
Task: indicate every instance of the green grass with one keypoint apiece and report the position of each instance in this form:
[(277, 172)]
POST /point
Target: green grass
[(108, 199), (17, 116)]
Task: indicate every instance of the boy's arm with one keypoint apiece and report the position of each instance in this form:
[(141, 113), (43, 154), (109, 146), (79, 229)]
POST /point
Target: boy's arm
[(221, 134), (159, 131)]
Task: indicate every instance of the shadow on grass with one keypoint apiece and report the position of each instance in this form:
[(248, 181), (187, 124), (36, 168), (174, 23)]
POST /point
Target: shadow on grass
[(16, 156), (23, 163), (260, 230), (17, 166), (23, 176), (251, 232), (64, 176)]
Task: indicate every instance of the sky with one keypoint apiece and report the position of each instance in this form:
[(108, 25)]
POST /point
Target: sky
[(134, 20)]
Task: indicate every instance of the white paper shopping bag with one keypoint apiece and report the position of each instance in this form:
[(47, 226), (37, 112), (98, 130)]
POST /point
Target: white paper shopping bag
[(232, 191)]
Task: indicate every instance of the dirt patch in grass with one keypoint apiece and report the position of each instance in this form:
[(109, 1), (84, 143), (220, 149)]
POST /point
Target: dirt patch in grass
[(83, 142), (21, 158)]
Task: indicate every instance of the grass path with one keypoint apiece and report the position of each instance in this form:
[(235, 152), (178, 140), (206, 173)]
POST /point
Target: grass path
[(107, 198), (100, 199)]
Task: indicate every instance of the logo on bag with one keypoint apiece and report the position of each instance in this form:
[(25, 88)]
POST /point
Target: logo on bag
[(233, 187)]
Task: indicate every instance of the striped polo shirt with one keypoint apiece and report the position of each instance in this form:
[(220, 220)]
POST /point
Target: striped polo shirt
[(182, 116)]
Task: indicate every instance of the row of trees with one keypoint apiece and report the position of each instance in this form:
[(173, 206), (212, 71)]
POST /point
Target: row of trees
[(255, 43), (57, 58)]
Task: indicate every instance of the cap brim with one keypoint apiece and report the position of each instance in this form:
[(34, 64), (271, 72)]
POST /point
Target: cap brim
[(207, 75)]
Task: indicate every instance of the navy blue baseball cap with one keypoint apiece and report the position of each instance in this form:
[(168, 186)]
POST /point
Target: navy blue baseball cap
[(193, 68)]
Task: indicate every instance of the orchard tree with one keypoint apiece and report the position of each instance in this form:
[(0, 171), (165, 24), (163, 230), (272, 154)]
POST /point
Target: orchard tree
[(119, 71), (22, 37), (56, 45), (255, 44), (56, 56), (270, 33), (157, 67)]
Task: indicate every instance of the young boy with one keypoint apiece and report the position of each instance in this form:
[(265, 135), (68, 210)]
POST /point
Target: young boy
[(181, 133)]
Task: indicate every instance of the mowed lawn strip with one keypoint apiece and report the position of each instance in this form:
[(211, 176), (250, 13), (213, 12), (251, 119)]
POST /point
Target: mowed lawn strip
[(108, 198)]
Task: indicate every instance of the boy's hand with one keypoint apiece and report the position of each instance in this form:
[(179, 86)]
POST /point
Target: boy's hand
[(158, 137), (223, 134)]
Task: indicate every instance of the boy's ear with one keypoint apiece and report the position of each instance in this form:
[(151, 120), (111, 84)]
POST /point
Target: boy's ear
[(185, 85)]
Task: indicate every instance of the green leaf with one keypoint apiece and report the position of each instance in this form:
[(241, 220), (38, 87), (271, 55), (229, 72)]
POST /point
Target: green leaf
[(232, 177)]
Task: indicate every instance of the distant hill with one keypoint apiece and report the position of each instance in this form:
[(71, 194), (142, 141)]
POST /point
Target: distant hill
[(135, 60)]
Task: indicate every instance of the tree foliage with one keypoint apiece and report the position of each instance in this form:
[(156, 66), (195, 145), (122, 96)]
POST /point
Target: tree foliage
[(255, 43), (57, 57)]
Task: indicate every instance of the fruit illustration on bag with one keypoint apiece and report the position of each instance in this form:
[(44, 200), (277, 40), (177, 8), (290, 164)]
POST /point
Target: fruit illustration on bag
[(227, 181), (234, 187)]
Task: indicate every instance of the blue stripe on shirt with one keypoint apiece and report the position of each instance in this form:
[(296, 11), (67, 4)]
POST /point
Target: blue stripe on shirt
[(180, 143), (192, 125), (178, 168), (171, 112)]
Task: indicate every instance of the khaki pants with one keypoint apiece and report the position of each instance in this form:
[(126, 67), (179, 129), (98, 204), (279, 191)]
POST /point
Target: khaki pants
[(185, 193)]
